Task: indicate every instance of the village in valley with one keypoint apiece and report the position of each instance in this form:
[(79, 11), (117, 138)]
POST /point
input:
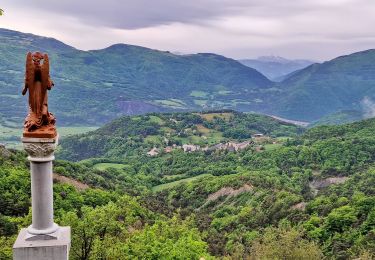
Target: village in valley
[(257, 140), (209, 131)]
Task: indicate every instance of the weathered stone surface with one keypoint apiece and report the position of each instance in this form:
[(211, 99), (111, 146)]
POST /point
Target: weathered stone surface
[(40, 149), (42, 249)]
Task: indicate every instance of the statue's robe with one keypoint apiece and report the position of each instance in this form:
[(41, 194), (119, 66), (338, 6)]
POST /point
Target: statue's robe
[(37, 80)]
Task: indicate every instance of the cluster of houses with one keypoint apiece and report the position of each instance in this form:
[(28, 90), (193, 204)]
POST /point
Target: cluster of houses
[(230, 146)]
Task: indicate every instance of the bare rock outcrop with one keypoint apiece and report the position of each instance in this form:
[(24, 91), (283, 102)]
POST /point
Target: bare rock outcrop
[(229, 191)]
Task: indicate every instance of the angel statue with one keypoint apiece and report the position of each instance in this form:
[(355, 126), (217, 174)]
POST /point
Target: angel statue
[(38, 81)]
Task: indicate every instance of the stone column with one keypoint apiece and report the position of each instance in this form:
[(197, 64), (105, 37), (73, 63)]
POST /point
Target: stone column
[(43, 239)]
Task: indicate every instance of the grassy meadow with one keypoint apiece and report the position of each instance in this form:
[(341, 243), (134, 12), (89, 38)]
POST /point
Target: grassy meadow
[(11, 137)]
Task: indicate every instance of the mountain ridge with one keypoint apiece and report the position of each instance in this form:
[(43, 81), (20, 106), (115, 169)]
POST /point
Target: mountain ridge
[(322, 89), (93, 87), (120, 73)]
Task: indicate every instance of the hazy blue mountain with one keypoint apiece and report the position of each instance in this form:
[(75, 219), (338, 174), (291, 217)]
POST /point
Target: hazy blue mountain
[(344, 83), (274, 67), (92, 87)]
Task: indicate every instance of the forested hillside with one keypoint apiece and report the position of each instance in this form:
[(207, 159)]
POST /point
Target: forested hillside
[(307, 197), (138, 134), (105, 224), (340, 117)]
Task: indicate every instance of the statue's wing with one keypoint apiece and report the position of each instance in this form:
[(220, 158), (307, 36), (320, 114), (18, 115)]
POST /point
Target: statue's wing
[(29, 76), (45, 75), (29, 80)]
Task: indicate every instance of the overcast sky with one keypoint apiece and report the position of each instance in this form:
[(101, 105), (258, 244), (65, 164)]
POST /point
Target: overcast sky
[(311, 29)]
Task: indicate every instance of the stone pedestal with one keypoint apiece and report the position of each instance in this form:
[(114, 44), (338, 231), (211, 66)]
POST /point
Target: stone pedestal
[(43, 239), (41, 249)]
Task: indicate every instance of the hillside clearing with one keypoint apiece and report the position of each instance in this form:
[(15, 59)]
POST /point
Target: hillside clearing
[(105, 166), (175, 183)]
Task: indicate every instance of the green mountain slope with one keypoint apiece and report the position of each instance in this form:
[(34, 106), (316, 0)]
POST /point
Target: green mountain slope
[(119, 224), (92, 87), (310, 197), (138, 134), (339, 118), (322, 89), (315, 191), (320, 182)]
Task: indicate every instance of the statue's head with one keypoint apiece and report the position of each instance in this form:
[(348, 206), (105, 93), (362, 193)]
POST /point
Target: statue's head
[(37, 57)]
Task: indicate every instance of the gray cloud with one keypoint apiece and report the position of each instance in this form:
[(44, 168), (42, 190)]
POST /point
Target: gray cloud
[(135, 14), (316, 29)]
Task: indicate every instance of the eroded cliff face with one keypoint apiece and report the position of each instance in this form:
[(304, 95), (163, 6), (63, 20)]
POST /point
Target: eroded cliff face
[(318, 184)]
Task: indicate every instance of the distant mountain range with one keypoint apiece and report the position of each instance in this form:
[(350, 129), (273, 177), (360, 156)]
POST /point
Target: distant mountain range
[(94, 87), (274, 67)]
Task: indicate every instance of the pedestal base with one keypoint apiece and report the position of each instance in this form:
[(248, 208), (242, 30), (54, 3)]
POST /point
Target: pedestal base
[(50, 231), (45, 131), (43, 248)]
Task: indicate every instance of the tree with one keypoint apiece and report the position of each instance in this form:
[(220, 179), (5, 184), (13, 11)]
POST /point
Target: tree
[(285, 242), (98, 232), (6, 244), (171, 239), (341, 219), (1, 11)]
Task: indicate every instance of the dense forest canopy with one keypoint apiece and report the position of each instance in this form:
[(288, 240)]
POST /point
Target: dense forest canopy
[(308, 196)]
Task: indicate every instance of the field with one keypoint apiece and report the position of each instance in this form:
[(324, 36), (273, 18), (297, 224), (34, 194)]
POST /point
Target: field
[(105, 166), (173, 103), (153, 139), (200, 102), (74, 130), (156, 119), (202, 129), (211, 116), (224, 92), (199, 94), (269, 147), (10, 137)]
